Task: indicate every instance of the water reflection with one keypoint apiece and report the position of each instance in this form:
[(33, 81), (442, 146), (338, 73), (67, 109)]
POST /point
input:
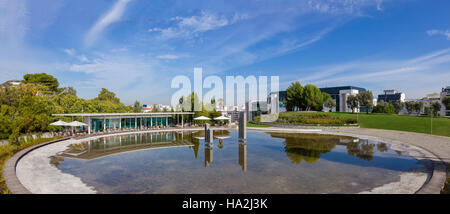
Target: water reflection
[(273, 163), (297, 147), (243, 155), (310, 147), (124, 143), (208, 154)]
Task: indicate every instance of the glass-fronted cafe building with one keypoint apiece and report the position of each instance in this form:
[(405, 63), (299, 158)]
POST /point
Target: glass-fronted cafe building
[(118, 121)]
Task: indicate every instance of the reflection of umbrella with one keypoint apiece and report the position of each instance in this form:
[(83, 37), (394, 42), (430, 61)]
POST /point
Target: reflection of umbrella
[(59, 123), (222, 118), (202, 118), (76, 123)]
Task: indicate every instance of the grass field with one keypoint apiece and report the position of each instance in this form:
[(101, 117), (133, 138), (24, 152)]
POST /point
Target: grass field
[(255, 125), (441, 125)]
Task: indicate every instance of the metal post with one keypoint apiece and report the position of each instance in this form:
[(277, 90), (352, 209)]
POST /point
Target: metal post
[(242, 126), (208, 134)]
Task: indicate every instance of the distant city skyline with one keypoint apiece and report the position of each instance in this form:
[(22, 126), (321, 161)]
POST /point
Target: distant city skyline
[(135, 47)]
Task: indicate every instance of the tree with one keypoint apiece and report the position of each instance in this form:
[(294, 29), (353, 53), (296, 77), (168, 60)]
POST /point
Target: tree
[(137, 107), (155, 108), (410, 106), (45, 81), (312, 98), (352, 102), (330, 103), (27, 109), (68, 90), (418, 106), (436, 106), (389, 108), (294, 96), (365, 99), (106, 95), (428, 110), (398, 106)]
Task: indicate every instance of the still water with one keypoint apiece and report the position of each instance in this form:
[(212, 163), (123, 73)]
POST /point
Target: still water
[(181, 162)]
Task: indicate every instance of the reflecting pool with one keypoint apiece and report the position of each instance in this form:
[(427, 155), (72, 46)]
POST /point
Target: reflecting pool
[(181, 162)]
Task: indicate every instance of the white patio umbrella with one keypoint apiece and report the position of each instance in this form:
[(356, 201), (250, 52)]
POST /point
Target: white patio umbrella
[(59, 123), (222, 118), (76, 124), (202, 118)]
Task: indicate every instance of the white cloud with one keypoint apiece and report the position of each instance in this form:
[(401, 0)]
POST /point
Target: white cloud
[(168, 56), (194, 25), (70, 52), (113, 15), (445, 33), (83, 58)]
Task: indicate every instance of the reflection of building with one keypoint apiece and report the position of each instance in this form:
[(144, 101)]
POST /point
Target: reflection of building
[(243, 156), (392, 96), (121, 144), (444, 93), (208, 154)]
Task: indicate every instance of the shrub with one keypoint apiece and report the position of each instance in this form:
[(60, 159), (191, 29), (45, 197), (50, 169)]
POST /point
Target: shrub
[(313, 119)]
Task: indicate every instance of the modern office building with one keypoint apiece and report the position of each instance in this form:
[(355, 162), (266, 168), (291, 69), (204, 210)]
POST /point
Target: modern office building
[(340, 94), (112, 121), (444, 93), (392, 96), (427, 100)]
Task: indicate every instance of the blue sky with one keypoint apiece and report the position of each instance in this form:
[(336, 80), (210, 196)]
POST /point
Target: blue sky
[(136, 47)]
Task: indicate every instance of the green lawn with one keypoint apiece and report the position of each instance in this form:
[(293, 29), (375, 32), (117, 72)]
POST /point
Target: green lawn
[(255, 125), (441, 125)]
